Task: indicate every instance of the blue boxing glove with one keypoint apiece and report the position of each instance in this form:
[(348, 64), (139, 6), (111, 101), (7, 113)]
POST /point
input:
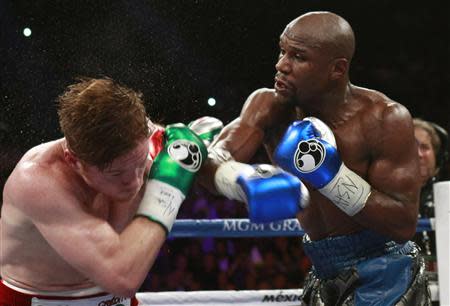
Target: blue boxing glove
[(308, 150), (270, 193)]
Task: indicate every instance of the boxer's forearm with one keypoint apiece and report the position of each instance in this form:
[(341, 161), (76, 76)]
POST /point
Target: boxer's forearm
[(391, 216), (205, 176), (118, 263), (143, 239)]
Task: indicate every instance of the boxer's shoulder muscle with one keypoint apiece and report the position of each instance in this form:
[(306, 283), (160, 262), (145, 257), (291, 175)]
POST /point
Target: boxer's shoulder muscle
[(379, 106), (264, 108), (380, 115), (39, 175)]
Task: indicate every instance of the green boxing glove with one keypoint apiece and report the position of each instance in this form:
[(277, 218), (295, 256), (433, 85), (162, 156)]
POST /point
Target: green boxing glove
[(172, 174)]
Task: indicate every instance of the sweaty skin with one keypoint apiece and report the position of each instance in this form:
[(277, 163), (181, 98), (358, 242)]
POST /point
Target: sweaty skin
[(374, 134), (47, 206)]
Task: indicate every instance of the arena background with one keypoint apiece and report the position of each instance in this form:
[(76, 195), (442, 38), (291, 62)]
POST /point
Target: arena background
[(180, 53)]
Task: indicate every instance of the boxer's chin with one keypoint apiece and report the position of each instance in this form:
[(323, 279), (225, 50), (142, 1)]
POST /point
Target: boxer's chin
[(283, 90)]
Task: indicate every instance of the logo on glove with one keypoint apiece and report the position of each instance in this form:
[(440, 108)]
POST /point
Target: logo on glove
[(309, 155), (186, 154), (264, 171)]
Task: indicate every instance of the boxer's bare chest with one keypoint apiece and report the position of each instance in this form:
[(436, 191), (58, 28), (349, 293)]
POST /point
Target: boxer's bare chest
[(274, 133)]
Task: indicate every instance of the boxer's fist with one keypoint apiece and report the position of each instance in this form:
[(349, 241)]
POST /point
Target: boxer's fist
[(270, 193), (172, 174), (308, 150)]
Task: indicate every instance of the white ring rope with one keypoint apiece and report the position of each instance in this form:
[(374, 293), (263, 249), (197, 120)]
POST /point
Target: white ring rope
[(222, 298), (231, 297)]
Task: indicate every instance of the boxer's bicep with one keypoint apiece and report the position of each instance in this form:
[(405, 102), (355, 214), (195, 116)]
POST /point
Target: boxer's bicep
[(394, 170), (392, 205), (240, 139), (244, 136)]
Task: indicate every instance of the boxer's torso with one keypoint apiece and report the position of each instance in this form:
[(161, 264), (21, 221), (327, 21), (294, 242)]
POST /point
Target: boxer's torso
[(356, 137), (27, 259)]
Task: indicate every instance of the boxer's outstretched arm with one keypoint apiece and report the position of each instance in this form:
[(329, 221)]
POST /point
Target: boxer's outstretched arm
[(392, 207), (270, 193), (237, 141), (242, 137)]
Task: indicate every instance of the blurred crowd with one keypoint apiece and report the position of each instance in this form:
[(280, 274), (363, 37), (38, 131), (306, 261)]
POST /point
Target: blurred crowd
[(226, 263)]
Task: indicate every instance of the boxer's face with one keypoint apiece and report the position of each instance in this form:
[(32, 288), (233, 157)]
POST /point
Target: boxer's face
[(302, 66), (123, 179), (427, 158)]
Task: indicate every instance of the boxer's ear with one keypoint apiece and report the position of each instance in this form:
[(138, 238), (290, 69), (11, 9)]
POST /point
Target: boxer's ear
[(339, 68), (71, 159)]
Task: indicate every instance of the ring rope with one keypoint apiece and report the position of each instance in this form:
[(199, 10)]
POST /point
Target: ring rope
[(241, 228), (221, 298), (233, 297)]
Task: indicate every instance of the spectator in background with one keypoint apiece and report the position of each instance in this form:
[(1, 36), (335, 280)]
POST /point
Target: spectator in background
[(432, 143)]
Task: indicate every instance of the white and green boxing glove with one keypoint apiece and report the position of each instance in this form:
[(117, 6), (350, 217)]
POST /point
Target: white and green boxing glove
[(172, 174), (207, 128)]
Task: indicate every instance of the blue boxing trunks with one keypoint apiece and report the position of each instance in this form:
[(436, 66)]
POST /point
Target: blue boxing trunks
[(364, 268)]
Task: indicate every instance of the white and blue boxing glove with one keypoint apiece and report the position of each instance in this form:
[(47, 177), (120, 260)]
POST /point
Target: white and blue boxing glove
[(270, 193), (308, 150)]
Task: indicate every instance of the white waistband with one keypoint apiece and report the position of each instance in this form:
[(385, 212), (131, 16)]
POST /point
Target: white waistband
[(104, 300), (67, 293)]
